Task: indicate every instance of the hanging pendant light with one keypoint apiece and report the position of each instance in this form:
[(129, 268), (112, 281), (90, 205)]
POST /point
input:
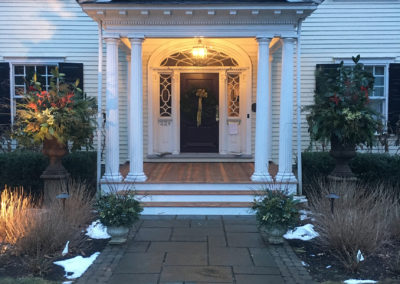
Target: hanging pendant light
[(199, 51)]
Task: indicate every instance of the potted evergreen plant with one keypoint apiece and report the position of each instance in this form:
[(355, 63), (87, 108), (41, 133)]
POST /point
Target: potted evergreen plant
[(276, 212), (118, 211), (341, 114)]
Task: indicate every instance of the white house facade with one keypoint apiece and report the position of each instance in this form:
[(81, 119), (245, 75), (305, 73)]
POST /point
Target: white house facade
[(206, 89)]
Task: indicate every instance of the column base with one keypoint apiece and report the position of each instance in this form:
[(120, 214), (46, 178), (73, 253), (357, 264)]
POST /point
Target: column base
[(136, 177), (261, 177), (285, 177), (111, 177)]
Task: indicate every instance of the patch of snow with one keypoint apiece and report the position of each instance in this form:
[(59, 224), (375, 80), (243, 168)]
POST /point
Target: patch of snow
[(65, 250), (77, 265), (300, 198), (305, 264), (328, 266), (304, 214), (304, 233), (356, 281), (67, 282), (360, 257), (97, 230)]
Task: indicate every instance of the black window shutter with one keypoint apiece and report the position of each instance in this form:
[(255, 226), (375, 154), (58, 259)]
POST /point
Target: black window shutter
[(325, 76), (5, 111), (394, 95), (72, 72)]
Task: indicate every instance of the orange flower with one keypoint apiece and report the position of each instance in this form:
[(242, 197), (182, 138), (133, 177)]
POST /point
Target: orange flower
[(32, 106)]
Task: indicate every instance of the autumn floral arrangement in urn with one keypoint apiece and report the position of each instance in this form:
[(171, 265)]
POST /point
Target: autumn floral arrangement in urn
[(56, 117), (341, 113)]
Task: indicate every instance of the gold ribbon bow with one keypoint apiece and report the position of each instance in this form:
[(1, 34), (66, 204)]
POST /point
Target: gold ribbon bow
[(200, 93)]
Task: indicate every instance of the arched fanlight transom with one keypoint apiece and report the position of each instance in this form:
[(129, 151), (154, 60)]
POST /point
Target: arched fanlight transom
[(185, 58)]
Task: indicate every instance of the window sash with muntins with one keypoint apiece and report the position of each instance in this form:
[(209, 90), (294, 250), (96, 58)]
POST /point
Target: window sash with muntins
[(21, 76), (233, 97), (379, 96), (165, 96)]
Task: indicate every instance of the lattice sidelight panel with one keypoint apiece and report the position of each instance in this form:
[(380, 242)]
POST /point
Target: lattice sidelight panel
[(165, 95), (233, 95), (185, 58)]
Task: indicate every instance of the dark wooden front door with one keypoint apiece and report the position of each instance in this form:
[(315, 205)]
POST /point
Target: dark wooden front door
[(203, 137)]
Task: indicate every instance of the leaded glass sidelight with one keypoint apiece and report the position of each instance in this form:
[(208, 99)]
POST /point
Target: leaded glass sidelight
[(165, 95), (233, 95), (185, 58)]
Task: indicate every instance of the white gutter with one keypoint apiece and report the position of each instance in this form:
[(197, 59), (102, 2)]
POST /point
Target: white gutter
[(298, 91), (99, 108)]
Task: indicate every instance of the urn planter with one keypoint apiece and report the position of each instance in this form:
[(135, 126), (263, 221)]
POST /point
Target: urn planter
[(55, 176), (119, 234), (342, 155), (274, 234)]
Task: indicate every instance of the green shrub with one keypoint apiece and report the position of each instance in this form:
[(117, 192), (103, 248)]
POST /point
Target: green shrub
[(375, 168), (368, 168), (82, 166), (23, 168)]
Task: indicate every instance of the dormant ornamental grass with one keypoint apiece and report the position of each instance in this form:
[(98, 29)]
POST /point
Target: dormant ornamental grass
[(37, 235), (363, 219)]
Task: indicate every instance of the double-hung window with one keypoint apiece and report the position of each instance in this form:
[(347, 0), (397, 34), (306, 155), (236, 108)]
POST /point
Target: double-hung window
[(22, 74)]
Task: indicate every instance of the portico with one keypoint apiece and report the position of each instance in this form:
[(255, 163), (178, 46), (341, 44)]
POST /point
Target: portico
[(167, 118)]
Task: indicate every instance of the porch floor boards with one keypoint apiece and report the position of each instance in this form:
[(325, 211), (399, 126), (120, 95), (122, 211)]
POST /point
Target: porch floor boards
[(185, 172)]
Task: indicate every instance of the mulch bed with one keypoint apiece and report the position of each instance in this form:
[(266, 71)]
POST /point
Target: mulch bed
[(14, 266), (384, 266)]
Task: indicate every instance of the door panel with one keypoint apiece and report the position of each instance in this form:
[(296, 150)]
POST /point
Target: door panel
[(201, 138)]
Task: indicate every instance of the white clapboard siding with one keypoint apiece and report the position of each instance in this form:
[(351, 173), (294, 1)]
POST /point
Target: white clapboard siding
[(50, 28), (345, 28)]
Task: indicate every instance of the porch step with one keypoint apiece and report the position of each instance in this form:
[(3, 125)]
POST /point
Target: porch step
[(198, 204), (198, 198)]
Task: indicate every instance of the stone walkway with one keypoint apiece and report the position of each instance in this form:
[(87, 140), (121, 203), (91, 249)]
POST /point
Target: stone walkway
[(196, 249)]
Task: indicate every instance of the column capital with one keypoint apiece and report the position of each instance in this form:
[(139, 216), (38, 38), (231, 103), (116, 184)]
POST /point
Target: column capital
[(289, 39), (263, 39), (135, 38), (111, 36)]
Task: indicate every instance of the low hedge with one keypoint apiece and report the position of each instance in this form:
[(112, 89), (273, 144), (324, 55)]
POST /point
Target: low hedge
[(369, 168), (23, 168)]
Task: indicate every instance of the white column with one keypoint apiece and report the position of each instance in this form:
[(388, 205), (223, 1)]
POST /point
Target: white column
[(112, 117), (136, 173), (269, 112), (128, 85), (260, 160), (285, 173)]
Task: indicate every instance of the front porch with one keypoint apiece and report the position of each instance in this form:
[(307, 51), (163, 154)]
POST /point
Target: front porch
[(201, 172)]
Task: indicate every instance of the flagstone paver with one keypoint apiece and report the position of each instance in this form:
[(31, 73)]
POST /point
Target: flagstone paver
[(196, 250)]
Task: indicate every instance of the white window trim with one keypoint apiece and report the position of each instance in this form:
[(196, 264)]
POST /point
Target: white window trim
[(26, 61), (385, 62)]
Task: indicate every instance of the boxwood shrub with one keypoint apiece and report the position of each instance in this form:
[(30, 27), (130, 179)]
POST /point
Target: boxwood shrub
[(368, 167), (23, 168)]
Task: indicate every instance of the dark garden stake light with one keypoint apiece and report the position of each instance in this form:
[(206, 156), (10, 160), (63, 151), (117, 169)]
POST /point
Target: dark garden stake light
[(332, 198), (63, 196)]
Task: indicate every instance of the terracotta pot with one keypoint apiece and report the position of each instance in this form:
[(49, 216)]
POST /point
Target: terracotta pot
[(55, 151), (119, 234), (342, 155)]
